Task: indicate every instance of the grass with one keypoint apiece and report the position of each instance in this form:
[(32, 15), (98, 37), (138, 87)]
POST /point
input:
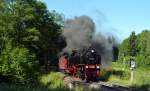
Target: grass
[(142, 79), (116, 73), (120, 74), (52, 81)]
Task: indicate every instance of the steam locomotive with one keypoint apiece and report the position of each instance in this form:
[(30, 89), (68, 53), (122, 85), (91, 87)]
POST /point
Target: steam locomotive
[(82, 64)]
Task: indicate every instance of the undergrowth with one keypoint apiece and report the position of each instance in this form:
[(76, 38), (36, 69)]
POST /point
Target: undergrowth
[(52, 81), (120, 74)]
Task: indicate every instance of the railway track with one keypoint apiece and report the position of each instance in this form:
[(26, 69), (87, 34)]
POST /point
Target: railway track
[(102, 86), (105, 86)]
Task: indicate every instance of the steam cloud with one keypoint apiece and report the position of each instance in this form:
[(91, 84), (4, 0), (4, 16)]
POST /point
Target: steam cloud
[(80, 33)]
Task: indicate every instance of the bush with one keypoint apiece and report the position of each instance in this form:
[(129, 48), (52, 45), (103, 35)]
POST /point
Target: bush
[(17, 65), (53, 80), (143, 61)]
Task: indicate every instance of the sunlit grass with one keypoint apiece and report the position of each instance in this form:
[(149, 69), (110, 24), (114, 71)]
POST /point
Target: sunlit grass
[(52, 80), (119, 81), (55, 80), (141, 76)]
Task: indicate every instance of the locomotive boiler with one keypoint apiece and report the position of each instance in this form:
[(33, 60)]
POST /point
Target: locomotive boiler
[(83, 64)]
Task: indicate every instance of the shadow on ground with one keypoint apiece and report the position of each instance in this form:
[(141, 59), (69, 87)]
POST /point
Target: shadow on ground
[(144, 87), (105, 74)]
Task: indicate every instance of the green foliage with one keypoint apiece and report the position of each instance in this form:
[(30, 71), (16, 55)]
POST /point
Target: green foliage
[(53, 80), (30, 24), (28, 33), (142, 78), (17, 65), (7, 87), (138, 47), (129, 46), (121, 75), (132, 44), (135, 47)]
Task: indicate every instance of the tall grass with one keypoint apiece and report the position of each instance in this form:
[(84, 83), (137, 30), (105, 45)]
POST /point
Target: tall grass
[(120, 74), (53, 81), (142, 78)]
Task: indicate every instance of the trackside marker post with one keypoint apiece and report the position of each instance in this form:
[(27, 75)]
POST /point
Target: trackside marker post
[(132, 67)]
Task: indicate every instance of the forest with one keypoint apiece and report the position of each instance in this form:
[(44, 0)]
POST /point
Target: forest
[(134, 48), (30, 36), (137, 47), (31, 40)]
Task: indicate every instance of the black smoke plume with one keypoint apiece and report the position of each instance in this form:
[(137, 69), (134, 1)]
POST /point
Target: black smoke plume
[(80, 33)]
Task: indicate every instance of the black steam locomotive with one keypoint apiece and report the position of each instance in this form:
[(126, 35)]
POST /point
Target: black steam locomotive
[(85, 56), (83, 64)]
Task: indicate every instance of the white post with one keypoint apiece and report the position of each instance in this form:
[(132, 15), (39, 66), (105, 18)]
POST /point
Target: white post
[(132, 75), (132, 64)]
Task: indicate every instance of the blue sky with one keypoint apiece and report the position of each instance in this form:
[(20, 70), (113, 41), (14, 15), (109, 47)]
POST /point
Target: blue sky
[(117, 17)]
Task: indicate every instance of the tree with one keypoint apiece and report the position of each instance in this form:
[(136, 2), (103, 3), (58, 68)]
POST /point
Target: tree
[(137, 46), (144, 48), (132, 44), (36, 28), (28, 33)]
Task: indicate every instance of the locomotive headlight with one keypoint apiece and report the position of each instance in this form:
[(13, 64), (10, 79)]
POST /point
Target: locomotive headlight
[(97, 67), (86, 66), (92, 51)]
